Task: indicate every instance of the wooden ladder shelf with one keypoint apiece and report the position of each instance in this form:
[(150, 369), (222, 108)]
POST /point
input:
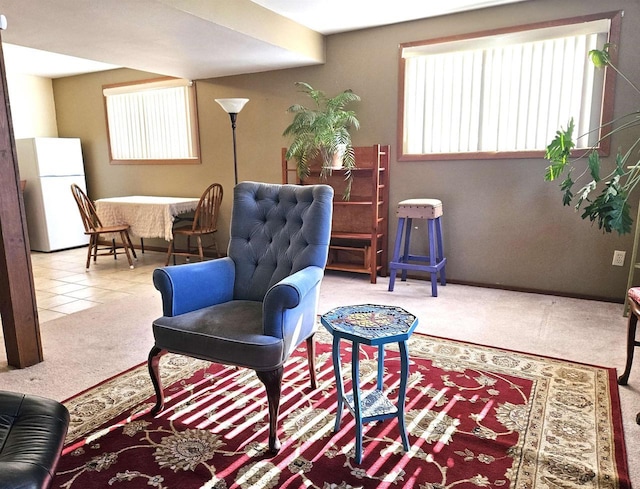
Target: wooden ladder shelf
[(360, 225)]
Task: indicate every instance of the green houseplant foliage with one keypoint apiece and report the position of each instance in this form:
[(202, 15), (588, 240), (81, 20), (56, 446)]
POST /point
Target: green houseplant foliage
[(322, 130), (610, 207)]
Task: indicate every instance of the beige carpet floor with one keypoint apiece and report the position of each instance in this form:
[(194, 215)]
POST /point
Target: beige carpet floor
[(89, 346)]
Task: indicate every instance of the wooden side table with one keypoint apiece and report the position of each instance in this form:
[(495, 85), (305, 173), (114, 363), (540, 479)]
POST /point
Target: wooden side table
[(374, 325)]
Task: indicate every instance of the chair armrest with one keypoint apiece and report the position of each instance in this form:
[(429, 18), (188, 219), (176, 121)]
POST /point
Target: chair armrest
[(290, 307), (186, 288)]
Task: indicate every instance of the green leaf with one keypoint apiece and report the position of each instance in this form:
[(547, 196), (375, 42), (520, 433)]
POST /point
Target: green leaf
[(600, 58), (594, 165), (620, 164), (610, 209), (567, 197), (620, 217), (565, 186), (554, 171), (558, 152)]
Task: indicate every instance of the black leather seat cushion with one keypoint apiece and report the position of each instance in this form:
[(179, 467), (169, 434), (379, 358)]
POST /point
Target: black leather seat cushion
[(32, 433)]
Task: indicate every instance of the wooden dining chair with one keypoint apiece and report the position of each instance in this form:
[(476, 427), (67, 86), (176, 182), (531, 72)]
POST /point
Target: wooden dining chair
[(94, 228), (204, 223)]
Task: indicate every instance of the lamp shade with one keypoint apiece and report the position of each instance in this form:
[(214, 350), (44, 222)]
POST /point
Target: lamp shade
[(232, 105)]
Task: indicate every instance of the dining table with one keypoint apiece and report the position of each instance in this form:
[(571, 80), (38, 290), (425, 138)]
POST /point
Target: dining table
[(147, 216)]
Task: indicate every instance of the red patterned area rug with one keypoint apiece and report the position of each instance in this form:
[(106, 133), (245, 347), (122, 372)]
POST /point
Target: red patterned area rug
[(476, 417)]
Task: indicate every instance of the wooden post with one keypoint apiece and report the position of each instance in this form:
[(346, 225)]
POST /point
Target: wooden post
[(17, 293)]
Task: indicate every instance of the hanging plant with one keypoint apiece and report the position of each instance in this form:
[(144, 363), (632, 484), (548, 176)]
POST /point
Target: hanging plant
[(610, 208)]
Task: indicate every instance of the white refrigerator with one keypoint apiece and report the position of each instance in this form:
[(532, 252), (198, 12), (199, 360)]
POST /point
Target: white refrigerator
[(50, 166)]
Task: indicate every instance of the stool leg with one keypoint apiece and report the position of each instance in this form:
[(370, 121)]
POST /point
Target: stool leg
[(631, 344), (404, 375), (357, 408), (393, 268), (432, 257), (405, 255), (337, 370), (443, 276), (380, 382)]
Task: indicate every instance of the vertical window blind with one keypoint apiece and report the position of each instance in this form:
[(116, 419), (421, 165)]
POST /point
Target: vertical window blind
[(502, 93), (152, 121)]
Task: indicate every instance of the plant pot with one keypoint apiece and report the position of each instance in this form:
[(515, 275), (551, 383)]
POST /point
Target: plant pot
[(338, 157)]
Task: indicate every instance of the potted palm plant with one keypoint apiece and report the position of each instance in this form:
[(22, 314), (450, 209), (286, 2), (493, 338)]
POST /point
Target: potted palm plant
[(610, 209), (322, 130)]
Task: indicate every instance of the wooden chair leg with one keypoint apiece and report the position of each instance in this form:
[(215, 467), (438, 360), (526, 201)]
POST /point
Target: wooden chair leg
[(123, 237), (311, 358), (631, 344), (113, 248), (90, 249), (153, 364), (272, 381), (133, 250), (200, 250), (95, 248), (169, 253)]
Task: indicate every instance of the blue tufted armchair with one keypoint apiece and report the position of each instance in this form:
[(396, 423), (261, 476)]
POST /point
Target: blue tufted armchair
[(255, 306)]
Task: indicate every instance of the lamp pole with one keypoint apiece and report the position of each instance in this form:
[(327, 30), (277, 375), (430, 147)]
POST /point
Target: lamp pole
[(233, 116), (233, 106)]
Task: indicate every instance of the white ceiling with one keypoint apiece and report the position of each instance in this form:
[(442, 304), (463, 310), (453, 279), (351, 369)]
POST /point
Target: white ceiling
[(333, 16), (192, 39)]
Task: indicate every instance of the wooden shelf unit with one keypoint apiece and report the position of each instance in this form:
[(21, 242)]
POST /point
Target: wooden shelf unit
[(360, 225)]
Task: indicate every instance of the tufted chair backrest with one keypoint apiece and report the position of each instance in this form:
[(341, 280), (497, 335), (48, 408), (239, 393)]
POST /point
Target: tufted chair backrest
[(277, 230)]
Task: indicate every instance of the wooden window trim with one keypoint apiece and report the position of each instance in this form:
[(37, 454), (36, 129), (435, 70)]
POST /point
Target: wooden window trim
[(606, 112), (196, 160)]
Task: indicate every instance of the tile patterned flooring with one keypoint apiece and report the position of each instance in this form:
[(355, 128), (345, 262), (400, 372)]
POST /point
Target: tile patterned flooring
[(63, 285)]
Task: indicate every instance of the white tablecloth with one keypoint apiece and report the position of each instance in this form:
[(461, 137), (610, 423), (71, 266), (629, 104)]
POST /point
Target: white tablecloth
[(147, 216)]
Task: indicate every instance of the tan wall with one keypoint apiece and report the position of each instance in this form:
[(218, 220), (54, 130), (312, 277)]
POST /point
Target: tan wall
[(503, 224), (33, 111)]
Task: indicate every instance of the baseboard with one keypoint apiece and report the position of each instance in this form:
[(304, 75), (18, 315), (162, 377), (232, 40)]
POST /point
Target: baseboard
[(615, 300)]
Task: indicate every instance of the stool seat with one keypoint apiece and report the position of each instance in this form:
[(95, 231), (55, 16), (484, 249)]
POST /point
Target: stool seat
[(434, 263), (420, 208), (32, 433)]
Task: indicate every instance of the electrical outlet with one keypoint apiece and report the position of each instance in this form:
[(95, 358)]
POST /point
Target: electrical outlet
[(618, 258)]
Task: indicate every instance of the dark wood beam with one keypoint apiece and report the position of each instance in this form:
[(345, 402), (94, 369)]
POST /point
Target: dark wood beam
[(18, 306)]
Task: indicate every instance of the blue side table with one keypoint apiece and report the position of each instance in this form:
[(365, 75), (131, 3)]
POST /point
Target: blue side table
[(374, 325)]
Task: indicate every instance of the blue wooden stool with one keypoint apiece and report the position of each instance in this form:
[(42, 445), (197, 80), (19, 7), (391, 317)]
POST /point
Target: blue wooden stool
[(431, 210)]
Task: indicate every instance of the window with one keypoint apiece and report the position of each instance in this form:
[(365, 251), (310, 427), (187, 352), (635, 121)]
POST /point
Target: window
[(504, 94), (152, 122)]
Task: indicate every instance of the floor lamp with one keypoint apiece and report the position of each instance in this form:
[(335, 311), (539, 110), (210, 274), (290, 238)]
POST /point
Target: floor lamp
[(232, 106)]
